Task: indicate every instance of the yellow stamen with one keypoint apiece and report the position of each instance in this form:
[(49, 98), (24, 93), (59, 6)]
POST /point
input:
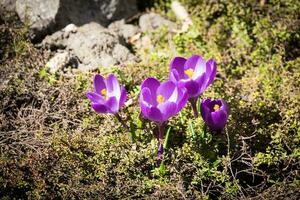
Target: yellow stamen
[(160, 99), (104, 92), (216, 107), (189, 73)]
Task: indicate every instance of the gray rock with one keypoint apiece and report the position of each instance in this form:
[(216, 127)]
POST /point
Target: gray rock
[(125, 31), (152, 21), (7, 5), (92, 44), (121, 53), (48, 16), (58, 39), (40, 15), (59, 61)]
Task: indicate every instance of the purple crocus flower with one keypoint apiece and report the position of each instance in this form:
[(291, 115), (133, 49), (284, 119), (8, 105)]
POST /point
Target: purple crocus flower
[(160, 101), (195, 74), (108, 96), (214, 113)]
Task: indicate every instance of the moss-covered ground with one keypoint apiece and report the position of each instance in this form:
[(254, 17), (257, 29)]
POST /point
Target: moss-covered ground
[(54, 146)]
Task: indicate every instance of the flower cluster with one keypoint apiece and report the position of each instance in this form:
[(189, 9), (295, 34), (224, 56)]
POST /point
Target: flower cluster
[(188, 79)]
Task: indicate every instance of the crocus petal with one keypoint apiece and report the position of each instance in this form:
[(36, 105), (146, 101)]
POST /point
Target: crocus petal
[(168, 109), (155, 115), (112, 105), (208, 70), (152, 84), (204, 108), (201, 81), (192, 88), (145, 108), (95, 98), (148, 97), (123, 97), (224, 106), (166, 89), (174, 76), (219, 119), (211, 66), (178, 64), (206, 112), (181, 102), (195, 62), (113, 86), (99, 83), (175, 94), (99, 108), (206, 102)]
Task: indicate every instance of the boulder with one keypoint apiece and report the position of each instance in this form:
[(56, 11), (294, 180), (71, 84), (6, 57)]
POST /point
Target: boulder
[(126, 31), (61, 60), (7, 5), (92, 44), (39, 15), (152, 21), (46, 17), (182, 14)]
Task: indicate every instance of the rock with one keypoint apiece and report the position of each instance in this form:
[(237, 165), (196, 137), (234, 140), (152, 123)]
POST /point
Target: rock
[(182, 14), (121, 54), (144, 43), (58, 39), (59, 61), (46, 17), (7, 5), (125, 31), (152, 21), (40, 16), (71, 28), (92, 44)]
